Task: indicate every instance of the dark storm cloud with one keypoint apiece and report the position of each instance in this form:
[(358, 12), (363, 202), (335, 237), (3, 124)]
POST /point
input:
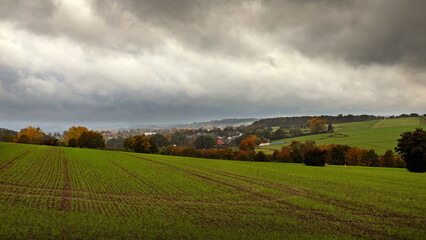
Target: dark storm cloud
[(162, 61), (362, 32)]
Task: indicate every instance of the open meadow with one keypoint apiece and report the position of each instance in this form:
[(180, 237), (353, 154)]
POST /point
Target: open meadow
[(54, 192), (380, 135)]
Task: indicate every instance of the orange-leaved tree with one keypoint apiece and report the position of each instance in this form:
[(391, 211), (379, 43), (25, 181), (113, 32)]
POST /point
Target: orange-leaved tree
[(30, 135), (248, 144), (317, 125), (74, 133)]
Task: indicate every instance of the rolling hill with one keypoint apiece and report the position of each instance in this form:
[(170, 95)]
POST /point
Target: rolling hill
[(380, 135)]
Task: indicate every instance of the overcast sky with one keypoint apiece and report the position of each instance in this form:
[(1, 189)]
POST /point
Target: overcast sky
[(176, 61)]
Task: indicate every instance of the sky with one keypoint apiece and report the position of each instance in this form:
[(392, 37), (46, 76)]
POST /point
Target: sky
[(123, 62)]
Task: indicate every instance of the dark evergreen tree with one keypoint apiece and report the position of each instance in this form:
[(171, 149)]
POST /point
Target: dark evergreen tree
[(412, 147)]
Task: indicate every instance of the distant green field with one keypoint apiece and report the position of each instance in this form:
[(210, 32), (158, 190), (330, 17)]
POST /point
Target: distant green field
[(52, 192), (380, 135)]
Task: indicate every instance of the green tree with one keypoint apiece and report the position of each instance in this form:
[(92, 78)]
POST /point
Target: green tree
[(91, 139), (412, 147), (330, 128), (72, 142), (204, 142), (160, 140), (338, 154), (179, 139), (296, 152), (370, 158), (7, 136), (278, 134), (387, 160)]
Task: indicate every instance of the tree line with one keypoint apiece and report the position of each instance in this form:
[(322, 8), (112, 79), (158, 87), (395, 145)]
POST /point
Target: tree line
[(411, 147)]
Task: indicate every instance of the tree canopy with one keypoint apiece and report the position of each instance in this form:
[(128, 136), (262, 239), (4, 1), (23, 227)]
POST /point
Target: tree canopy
[(141, 144), (179, 138), (74, 133), (91, 139), (248, 144), (204, 142), (317, 125), (412, 147), (30, 135)]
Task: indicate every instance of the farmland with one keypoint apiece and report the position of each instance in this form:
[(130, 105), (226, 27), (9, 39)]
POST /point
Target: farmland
[(380, 135), (53, 192)]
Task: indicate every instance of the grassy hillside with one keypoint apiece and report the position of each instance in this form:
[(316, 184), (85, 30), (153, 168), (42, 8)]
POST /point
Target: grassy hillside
[(52, 192), (380, 135)]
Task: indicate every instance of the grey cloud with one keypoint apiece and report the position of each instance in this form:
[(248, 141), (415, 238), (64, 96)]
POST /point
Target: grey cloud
[(359, 32), (35, 15), (163, 61), (362, 32)]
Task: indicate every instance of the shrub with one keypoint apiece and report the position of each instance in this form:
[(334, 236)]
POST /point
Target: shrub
[(245, 156), (315, 157), (260, 157)]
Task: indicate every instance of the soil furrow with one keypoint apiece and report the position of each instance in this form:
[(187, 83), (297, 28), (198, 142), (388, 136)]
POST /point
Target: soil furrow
[(66, 195), (13, 161)]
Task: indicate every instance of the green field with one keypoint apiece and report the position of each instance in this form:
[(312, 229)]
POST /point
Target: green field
[(380, 135), (53, 192)]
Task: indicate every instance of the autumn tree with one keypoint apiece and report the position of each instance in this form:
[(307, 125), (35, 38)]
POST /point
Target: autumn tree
[(141, 144), (73, 133), (317, 125), (248, 144), (412, 147), (32, 135), (284, 155), (353, 156)]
